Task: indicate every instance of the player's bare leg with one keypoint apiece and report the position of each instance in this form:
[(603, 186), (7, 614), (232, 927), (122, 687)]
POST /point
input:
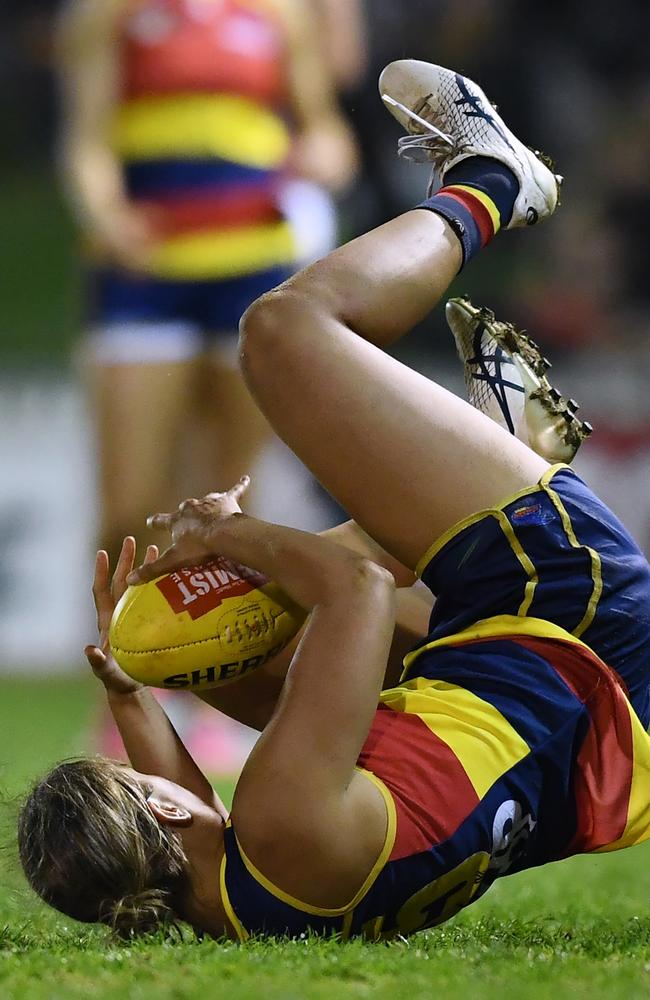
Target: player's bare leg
[(229, 430), (404, 456), (140, 410)]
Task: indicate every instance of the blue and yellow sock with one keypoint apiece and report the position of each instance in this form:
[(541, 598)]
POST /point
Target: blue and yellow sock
[(477, 199)]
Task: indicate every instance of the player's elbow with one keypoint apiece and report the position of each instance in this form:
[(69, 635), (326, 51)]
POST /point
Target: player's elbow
[(350, 582), (370, 575), (365, 583)]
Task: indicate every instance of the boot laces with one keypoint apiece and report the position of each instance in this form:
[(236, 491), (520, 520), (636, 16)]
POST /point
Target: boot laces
[(428, 145)]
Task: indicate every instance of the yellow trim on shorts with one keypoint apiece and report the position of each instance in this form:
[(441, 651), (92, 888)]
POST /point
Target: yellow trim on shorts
[(476, 732), (456, 529), (525, 561), (498, 627), (320, 911), (346, 927), (596, 569), (240, 930), (224, 253), (204, 126), (485, 201)]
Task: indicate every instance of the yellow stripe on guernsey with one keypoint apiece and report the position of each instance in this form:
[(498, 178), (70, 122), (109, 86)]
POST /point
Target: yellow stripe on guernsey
[(499, 627), (319, 911), (226, 253), (476, 732), (200, 126), (637, 827), (486, 201)]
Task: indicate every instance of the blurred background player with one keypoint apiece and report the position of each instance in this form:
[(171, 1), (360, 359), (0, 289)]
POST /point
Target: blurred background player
[(183, 122), (201, 139)]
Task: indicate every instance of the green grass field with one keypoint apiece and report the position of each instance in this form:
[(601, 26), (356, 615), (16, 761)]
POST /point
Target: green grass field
[(579, 929)]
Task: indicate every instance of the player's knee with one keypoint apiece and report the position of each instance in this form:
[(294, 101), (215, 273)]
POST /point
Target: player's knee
[(269, 327)]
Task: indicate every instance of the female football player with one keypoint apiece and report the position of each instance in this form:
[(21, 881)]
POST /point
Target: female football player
[(516, 735), (186, 125)]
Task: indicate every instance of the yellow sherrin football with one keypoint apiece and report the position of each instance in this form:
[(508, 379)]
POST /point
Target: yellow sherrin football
[(201, 626)]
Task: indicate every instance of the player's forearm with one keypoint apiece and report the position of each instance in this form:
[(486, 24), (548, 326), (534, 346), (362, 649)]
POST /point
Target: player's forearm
[(153, 745), (88, 60), (94, 181), (310, 568), (343, 29)]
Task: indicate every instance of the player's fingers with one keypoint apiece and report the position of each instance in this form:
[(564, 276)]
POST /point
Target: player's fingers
[(101, 590), (167, 561), (237, 491), (100, 579), (152, 553), (123, 568), (187, 506), (96, 658)]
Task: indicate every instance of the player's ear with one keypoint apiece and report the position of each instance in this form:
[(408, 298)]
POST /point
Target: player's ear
[(169, 813)]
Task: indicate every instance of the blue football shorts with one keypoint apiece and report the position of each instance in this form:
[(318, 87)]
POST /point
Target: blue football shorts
[(554, 552), (135, 317)]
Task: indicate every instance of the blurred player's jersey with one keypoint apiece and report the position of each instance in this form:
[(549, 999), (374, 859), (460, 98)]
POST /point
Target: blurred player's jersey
[(201, 132), (509, 742)]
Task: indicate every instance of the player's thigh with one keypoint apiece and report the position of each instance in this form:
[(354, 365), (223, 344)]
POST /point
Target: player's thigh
[(405, 457)]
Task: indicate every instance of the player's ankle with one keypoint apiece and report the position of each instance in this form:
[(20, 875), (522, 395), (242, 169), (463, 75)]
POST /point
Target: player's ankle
[(477, 198)]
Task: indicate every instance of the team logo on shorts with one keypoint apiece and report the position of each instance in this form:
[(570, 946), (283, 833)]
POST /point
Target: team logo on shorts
[(532, 513)]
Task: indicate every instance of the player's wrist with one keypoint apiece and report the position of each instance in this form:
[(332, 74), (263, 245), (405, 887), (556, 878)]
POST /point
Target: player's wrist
[(229, 532)]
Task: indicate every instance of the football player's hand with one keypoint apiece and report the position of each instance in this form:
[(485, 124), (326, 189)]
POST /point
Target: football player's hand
[(192, 528), (126, 236), (106, 594), (327, 154)]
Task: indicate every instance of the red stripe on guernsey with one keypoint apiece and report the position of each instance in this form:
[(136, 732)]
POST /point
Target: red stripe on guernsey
[(477, 208), (180, 47), (432, 792), (175, 215), (605, 761)]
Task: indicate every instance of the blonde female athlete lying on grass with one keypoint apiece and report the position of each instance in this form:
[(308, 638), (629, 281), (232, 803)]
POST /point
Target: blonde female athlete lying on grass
[(517, 734)]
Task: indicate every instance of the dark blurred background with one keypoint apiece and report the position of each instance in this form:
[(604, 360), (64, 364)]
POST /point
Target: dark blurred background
[(572, 78)]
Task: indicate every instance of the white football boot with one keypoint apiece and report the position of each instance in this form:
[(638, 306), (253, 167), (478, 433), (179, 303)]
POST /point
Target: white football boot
[(505, 375), (449, 119)]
